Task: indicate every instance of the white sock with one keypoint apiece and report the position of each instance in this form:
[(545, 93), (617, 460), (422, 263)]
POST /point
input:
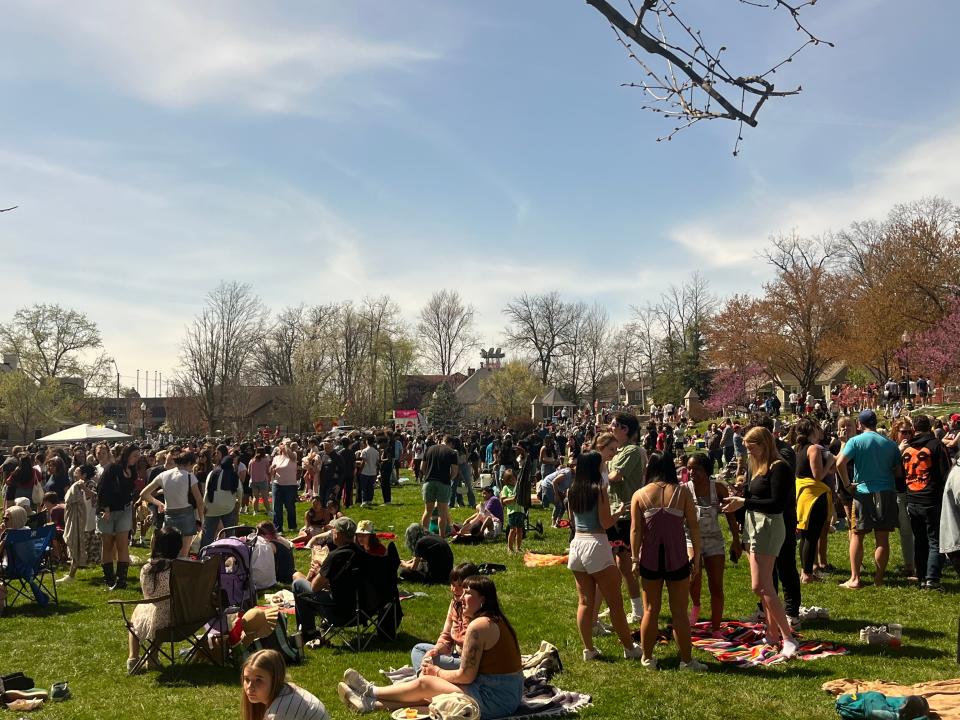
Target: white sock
[(637, 605), (789, 648)]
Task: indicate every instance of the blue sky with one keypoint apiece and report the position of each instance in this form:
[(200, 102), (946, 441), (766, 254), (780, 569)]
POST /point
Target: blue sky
[(328, 150)]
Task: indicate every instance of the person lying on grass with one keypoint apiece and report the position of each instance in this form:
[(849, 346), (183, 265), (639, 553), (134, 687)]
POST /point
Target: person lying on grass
[(489, 672)]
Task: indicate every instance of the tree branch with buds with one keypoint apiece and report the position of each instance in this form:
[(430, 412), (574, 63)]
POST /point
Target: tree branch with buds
[(694, 83)]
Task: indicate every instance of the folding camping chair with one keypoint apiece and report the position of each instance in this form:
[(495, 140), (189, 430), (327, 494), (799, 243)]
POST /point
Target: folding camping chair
[(195, 611), (27, 569), (366, 603)]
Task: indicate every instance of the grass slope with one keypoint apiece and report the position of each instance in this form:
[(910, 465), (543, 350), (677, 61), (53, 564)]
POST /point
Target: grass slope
[(85, 644)]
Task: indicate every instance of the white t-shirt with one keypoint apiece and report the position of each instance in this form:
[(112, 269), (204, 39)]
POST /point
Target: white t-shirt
[(223, 501), (295, 703), (370, 456), (176, 484)]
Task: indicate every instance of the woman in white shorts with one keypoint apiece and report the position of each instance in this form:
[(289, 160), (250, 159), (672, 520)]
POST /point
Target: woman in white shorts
[(591, 558)]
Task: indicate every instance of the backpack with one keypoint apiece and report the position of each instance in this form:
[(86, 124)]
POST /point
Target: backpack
[(289, 646), (877, 706), (917, 465)]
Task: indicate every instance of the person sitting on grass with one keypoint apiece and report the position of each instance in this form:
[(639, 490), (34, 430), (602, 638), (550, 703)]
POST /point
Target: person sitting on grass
[(282, 548), (446, 652), (515, 516), (486, 523), (268, 695), (432, 558), (154, 582), (324, 538), (316, 520), (490, 669), (368, 540)]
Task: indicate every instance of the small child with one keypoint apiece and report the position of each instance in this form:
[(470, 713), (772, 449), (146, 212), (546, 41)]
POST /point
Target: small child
[(515, 515)]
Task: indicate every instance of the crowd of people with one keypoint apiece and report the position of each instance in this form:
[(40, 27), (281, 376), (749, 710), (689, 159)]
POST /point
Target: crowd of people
[(645, 506)]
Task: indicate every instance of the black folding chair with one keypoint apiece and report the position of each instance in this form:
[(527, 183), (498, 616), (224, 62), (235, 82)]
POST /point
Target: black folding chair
[(366, 602), (195, 610)]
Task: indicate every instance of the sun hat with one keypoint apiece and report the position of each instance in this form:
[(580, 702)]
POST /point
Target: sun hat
[(365, 527)]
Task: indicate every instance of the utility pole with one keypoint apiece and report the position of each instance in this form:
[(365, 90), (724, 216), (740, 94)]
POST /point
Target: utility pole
[(117, 418)]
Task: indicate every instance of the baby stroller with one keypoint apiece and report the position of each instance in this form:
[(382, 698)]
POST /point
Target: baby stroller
[(236, 577)]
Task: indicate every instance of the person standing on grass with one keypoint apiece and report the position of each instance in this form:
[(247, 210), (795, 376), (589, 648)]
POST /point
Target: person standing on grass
[(368, 462), (813, 496), (662, 513), (626, 475), (283, 472), (877, 463), (115, 515), (766, 496), (591, 557), (926, 464), (440, 467), (708, 495)]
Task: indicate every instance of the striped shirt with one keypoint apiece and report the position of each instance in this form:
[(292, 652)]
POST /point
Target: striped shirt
[(295, 703)]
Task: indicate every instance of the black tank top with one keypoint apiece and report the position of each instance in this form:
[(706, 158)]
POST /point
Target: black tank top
[(803, 462)]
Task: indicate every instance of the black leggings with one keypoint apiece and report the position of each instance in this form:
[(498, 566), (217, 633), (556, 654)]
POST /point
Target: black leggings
[(810, 538)]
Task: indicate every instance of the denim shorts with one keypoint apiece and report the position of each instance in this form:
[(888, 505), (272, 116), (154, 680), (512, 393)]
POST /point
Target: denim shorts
[(497, 695), (183, 519), (119, 522)]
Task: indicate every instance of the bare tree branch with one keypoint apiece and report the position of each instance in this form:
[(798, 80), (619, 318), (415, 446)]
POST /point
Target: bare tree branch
[(695, 84)]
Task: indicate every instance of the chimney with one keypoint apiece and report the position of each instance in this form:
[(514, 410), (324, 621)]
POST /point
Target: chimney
[(470, 371)]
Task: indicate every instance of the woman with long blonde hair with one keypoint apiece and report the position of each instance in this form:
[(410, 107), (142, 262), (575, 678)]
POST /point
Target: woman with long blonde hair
[(267, 693), (770, 487)]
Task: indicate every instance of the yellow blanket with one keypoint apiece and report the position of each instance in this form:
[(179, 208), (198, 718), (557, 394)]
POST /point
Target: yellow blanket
[(808, 490)]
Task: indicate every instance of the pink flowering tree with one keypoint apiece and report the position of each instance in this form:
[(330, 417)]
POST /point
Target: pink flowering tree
[(936, 352), (734, 386)]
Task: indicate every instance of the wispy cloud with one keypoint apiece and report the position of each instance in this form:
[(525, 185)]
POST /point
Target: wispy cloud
[(931, 167), (178, 53)]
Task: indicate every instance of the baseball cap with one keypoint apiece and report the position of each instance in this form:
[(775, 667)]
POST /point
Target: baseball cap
[(345, 525), (868, 418)]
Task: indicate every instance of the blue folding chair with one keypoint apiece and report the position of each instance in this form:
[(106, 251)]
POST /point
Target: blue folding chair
[(27, 568)]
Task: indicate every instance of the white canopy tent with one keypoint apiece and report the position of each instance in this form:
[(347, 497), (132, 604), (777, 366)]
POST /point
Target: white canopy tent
[(84, 432)]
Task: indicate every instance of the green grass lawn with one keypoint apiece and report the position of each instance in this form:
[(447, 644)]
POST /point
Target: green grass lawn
[(85, 644)]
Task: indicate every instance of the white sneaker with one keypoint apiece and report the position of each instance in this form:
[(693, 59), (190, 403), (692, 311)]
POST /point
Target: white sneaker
[(633, 618), (601, 630), (633, 653), (605, 613), (693, 666), (757, 617), (65, 579), (357, 682), (649, 663), (358, 703), (591, 654)]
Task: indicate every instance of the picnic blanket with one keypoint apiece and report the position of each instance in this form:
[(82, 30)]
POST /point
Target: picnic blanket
[(532, 559), (540, 698), (942, 695), (742, 644)]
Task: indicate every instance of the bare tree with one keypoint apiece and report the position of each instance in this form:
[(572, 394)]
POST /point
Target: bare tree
[(597, 353), (446, 329), (538, 326), (569, 367), (274, 352), (648, 342), (216, 357), (695, 81)]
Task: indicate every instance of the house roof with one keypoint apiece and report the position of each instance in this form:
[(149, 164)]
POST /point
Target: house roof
[(468, 392), (552, 398)]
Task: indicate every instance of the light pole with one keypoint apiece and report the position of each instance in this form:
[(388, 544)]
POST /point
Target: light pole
[(143, 419), (117, 418)]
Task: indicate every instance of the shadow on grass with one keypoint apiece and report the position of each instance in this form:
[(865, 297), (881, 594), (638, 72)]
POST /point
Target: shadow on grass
[(853, 626), (904, 651), (198, 675), (402, 643), (32, 609)]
